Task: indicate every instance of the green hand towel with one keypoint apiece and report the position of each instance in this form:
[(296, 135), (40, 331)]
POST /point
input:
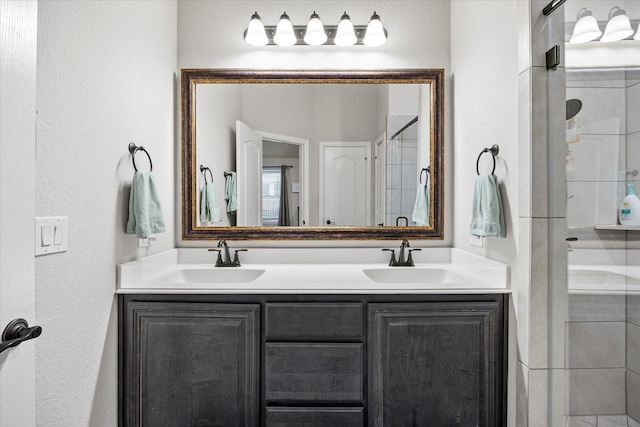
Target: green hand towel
[(231, 193), (208, 203), (421, 206), (487, 217), (145, 212)]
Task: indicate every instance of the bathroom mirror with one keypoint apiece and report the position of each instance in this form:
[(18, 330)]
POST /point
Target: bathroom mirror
[(220, 105)]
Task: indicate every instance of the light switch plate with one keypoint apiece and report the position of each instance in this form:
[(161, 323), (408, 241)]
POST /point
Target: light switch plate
[(51, 235)]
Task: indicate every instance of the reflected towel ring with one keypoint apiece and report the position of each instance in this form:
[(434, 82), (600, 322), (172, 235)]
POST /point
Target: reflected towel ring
[(133, 149), (204, 170), (494, 152), (427, 170)]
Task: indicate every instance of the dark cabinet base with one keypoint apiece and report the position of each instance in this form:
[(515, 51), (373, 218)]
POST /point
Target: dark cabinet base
[(312, 360)]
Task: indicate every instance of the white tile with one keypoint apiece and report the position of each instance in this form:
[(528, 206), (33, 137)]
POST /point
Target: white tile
[(409, 178), (540, 174), (632, 422), (524, 35), (603, 110), (633, 108), (598, 158), (633, 395), (596, 391), (595, 345), (539, 295), (633, 153), (633, 347), (590, 203), (612, 421), (524, 142), (582, 421), (597, 307), (522, 394)]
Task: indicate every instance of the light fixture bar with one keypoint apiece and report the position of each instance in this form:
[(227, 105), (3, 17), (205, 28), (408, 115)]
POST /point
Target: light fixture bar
[(330, 30)]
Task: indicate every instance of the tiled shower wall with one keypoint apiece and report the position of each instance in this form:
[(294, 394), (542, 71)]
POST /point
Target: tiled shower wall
[(402, 176), (603, 330)]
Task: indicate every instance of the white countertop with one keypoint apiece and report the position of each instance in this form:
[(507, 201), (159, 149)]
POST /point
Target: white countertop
[(308, 271)]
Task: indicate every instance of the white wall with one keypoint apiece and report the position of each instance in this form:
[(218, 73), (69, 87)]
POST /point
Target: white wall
[(484, 64), (210, 36), (105, 77)]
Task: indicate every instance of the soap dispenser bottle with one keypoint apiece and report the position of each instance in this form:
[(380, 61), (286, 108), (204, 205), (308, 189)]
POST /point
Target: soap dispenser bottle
[(629, 212)]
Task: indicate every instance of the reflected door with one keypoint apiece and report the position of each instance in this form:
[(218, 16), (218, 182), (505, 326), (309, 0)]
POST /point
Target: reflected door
[(249, 175), (345, 183)]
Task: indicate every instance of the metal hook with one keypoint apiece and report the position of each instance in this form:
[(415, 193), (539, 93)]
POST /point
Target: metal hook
[(427, 170), (133, 149), (494, 150), (204, 170)]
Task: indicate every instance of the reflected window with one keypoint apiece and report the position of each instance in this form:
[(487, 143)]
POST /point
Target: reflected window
[(271, 189)]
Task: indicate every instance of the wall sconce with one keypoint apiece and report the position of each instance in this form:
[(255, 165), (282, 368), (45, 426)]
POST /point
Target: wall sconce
[(587, 27), (315, 33)]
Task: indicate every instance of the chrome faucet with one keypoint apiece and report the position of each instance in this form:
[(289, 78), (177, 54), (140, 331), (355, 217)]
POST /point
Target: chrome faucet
[(401, 261), (227, 262)]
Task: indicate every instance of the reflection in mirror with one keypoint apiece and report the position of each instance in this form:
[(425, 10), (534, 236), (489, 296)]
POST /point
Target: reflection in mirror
[(305, 154)]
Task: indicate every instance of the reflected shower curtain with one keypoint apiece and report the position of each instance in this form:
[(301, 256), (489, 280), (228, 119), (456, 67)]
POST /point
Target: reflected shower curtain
[(283, 214)]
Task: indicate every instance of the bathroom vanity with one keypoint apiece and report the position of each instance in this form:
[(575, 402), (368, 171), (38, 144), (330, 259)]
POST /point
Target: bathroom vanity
[(350, 346)]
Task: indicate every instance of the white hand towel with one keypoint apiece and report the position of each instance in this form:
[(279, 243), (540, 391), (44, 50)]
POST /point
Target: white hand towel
[(421, 206), (208, 205)]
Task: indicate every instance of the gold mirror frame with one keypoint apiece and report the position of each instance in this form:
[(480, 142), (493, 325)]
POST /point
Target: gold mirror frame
[(191, 77)]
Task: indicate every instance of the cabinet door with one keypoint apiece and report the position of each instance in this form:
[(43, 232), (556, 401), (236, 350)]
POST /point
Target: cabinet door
[(435, 364), (191, 364)]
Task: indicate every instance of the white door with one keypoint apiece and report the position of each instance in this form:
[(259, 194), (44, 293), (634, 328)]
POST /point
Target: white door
[(18, 25), (380, 178), (249, 175), (345, 183), (303, 164)]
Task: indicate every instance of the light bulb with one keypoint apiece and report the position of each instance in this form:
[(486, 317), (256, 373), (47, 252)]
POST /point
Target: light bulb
[(375, 35), (255, 34), (618, 27), (284, 32), (586, 28), (315, 35), (345, 35)]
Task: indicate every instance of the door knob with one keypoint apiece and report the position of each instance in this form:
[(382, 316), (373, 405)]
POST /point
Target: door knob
[(16, 332)]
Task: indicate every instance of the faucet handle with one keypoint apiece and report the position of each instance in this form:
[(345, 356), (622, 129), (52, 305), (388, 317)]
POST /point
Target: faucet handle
[(236, 259), (219, 260), (392, 261), (410, 257)]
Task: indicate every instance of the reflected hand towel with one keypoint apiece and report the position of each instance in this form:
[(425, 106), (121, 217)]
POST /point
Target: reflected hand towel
[(421, 206), (145, 212), (487, 218), (208, 203), (231, 193)]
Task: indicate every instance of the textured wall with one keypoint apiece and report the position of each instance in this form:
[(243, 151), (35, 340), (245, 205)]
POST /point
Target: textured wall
[(105, 77)]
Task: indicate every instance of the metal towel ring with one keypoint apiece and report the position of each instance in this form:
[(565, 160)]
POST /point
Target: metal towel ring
[(133, 149), (204, 170), (494, 152), (427, 170)]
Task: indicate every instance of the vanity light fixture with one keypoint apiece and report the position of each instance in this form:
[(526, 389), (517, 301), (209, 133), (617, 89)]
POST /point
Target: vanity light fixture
[(618, 27), (315, 33), (255, 34), (586, 28)]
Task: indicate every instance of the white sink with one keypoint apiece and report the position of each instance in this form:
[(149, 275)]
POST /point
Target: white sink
[(213, 275), (414, 275)]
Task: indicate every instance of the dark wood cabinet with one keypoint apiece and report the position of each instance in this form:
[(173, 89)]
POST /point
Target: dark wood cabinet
[(435, 364), (312, 360), (191, 364)]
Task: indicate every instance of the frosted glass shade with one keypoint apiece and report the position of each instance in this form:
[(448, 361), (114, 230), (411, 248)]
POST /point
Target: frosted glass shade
[(315, 35), (586, 29), (375, 36), (618, 28), (285, 35), (345, 35), (255, 34), (637, 36)]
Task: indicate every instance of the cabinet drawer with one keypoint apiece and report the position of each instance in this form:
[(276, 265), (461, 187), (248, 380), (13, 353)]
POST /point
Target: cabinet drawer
[(314, 321), (313, 372), (315, 417)]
